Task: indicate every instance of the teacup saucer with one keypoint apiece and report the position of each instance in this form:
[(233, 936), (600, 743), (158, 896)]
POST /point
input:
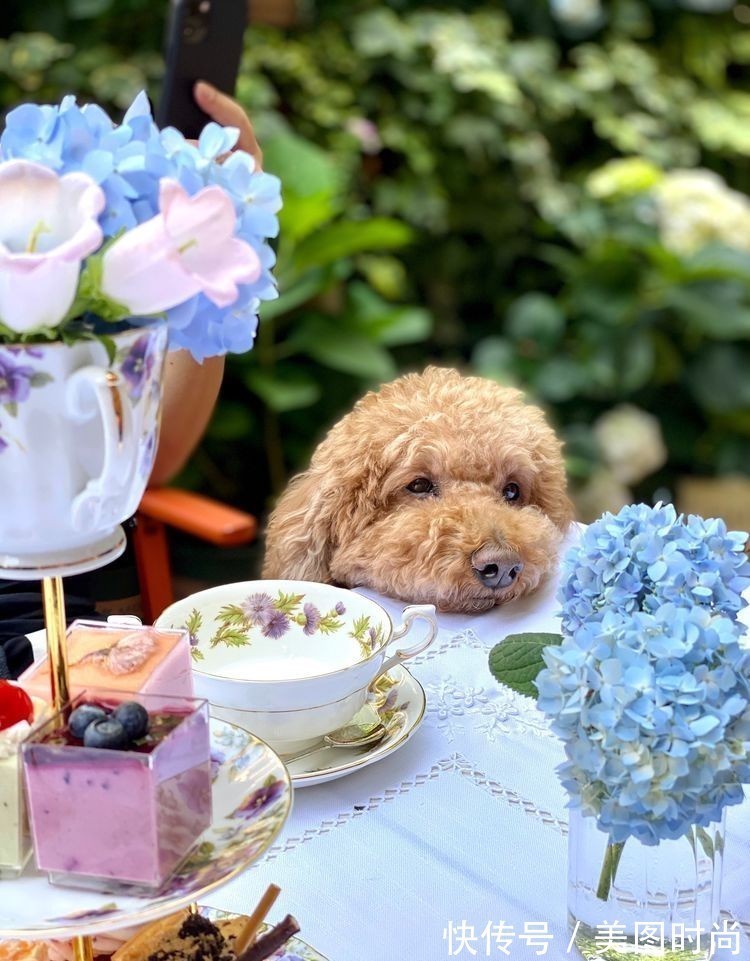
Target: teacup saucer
[(399, 701)]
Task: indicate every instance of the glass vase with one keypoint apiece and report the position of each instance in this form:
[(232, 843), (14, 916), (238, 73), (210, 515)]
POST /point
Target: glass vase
[(635, 900)]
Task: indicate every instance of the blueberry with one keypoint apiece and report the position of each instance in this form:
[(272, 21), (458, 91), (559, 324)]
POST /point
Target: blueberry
[(133, 717), (80, 719), (106, 732)]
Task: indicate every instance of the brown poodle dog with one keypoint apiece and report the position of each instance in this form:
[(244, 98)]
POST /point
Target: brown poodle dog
[(436, 489)]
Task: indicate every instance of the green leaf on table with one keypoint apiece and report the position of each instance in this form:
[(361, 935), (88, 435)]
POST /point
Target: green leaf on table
[(517, 660)]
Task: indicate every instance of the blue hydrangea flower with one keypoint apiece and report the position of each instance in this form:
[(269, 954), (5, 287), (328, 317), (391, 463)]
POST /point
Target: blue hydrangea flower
[(650, 688), (128, 161)]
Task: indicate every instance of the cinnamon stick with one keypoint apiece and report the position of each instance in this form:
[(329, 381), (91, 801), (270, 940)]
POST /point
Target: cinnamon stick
[(271, 941), (247, 935)]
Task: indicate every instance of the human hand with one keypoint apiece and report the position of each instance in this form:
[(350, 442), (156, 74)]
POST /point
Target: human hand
[(227, 112)]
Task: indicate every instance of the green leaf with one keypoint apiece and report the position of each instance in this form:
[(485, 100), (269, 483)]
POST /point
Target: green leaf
[(517, 660), (312, 284), (636, 360), (353, 354), (387, 323), (718, 379), (40, 378), (284, 390), (495, 358), (234, 615), (230, 637), (194, 621), (536, 317), (305, 169), (287, 603), (11, 408), (301, 215), (350, 237), (343, 349), (233, 421), (713, 313)]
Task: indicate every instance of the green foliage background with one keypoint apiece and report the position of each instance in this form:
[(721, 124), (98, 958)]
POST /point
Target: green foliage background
[(435, 161)]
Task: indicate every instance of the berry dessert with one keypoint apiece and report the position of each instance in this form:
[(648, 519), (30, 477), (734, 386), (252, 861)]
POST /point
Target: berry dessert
[(118, 790), (17, 714), (147, 659)]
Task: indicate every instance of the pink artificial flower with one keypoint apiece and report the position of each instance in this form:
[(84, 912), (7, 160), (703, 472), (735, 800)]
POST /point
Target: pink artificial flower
[(48, 225), (187, 248)]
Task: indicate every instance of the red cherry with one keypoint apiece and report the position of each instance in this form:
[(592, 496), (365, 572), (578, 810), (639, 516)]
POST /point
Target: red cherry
[(15, 705)]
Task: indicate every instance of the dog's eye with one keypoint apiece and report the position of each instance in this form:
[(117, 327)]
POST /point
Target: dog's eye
[(421, 485), (511, 492)]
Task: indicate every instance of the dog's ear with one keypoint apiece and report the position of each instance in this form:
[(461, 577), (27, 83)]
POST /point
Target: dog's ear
[(301, 529)]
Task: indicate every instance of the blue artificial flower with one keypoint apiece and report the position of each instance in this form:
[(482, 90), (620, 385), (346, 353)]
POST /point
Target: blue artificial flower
[(650, 688), (128, 161)]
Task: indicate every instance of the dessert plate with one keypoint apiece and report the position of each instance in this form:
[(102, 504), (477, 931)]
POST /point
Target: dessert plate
[(399, 701), (294, 950), (252, 797)]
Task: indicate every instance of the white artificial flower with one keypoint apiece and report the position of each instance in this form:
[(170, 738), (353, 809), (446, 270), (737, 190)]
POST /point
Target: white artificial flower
[(48, 226)]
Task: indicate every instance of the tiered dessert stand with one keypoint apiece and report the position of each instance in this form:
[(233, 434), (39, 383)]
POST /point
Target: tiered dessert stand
[(251, 795)]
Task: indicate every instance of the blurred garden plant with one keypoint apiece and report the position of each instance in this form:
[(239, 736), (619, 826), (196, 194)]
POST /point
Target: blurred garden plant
[(487, 135)]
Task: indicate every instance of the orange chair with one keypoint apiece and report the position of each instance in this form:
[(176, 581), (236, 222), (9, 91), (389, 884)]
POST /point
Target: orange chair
[(189, 512)]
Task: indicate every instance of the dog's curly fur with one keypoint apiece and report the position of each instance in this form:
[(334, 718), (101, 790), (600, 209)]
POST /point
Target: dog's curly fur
[(351, 520)]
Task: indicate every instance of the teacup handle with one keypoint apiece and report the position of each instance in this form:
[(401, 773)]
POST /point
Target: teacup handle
[(424, 612), (90, 389)]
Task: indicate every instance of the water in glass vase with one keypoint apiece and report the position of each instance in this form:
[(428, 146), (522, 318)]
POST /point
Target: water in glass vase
[(634, 900)]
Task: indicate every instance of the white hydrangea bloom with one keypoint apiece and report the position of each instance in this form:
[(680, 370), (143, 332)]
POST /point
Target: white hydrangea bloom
[(631, 443), (577, 13), (695, 207)]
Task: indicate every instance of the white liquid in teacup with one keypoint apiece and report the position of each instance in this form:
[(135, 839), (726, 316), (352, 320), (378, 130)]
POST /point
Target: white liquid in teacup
[(278, 662)]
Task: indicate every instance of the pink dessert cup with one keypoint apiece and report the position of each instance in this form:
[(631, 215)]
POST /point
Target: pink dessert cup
[(120, 658), (119, 820)]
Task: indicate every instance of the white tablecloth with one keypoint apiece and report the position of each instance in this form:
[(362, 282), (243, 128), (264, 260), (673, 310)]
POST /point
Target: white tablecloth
[(464, 824)]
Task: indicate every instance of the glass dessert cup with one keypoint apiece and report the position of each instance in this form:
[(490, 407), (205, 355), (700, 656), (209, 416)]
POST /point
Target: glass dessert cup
[(15, 841), (120, 658), (15, 844), (119, 819)]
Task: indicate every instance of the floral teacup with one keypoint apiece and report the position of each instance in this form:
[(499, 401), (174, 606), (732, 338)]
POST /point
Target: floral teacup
[(290, 660)]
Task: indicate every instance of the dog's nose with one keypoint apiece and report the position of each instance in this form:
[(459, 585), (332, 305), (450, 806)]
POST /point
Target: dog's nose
[(496, 567)]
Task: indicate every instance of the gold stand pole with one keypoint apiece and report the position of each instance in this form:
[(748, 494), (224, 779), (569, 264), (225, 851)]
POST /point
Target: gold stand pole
[(83, 949), (53, 601), (54, 622)]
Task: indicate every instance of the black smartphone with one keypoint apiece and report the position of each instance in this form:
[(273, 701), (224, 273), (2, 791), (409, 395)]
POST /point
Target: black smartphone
[(203, 42)]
